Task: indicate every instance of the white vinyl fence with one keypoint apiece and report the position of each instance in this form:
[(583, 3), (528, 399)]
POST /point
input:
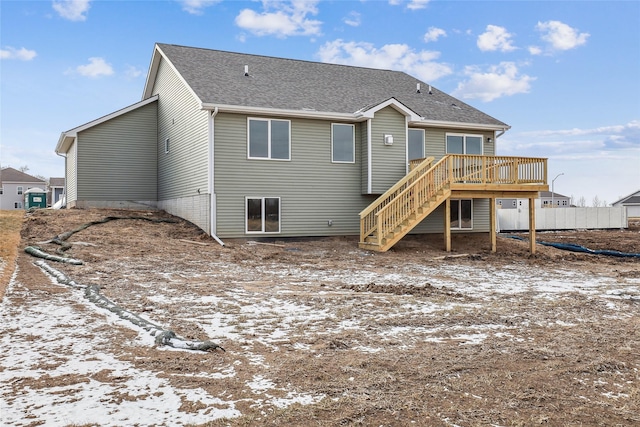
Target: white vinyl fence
[(563, 218)]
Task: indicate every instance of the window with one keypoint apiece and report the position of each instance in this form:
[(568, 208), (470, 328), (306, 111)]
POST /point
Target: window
[(464, 144), (415, 147), (17, 205), (19, 190), (1, 190), (263, 214), (461, 214), (343, 143), (269, 139)]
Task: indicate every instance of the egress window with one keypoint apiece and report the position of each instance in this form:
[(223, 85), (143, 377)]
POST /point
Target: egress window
[(269, 139), (263, 215), (461, 214)]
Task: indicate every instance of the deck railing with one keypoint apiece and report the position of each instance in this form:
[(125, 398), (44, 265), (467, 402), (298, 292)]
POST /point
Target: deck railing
[(402, 201)]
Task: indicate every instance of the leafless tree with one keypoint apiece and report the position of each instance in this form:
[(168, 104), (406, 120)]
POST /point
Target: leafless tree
[(596, 203), (582, 202)]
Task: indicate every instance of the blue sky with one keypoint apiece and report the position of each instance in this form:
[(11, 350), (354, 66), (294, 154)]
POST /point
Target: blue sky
[(564, 75)]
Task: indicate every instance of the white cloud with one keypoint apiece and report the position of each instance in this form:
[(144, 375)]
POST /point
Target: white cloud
[(399, 57), (495, 38), (417, 4), (535, 50), (353, 19), (500, 80), (433, 34), (73, 10), (95, 68), (561, 36), (627, 135), (281, 19), (196, 7), (133, 72), (413, 4), (21, 54)]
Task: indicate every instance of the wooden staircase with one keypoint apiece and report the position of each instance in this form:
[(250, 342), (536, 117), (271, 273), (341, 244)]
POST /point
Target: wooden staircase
[(391, 216), (394, 214)]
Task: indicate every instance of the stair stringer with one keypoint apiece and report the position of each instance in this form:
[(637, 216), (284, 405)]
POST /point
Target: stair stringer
[(410, 223)]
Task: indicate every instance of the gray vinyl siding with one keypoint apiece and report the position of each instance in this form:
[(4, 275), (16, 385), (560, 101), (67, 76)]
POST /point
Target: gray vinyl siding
[(72, 173), (434, 223), (116, 159), (388, 163), (312, 189), (182, 172)]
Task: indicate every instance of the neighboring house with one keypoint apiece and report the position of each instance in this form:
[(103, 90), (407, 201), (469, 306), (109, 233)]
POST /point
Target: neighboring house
[(246, 145), (56, 190), (13, 185), (632, 203), (545, 200)]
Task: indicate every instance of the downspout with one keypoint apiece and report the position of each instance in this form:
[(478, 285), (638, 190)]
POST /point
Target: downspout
[(64, 189), (213, 204), (369, 158)]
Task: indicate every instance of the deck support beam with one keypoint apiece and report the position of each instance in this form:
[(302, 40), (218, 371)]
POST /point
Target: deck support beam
[(492, 224), (532, 225), (447, 225)]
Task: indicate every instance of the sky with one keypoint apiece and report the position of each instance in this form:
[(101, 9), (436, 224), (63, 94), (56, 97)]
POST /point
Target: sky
[(563, 74)]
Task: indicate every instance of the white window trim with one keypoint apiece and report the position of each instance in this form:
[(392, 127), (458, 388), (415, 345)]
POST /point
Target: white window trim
[(262, 119), (19, 190), (464, 145), (353, 143), (246, 215), (459, 201)]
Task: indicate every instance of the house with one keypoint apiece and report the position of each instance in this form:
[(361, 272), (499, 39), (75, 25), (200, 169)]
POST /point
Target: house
[(247, 145), (632, 203), (13, 185), (56, 190), (546, 199)]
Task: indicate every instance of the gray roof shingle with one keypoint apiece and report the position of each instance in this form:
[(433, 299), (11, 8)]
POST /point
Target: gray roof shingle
[(10, 174), (217, 77)]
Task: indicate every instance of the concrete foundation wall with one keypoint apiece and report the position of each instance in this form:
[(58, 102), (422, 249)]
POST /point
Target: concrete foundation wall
[(563, 218), (195, 209), (114, 204)]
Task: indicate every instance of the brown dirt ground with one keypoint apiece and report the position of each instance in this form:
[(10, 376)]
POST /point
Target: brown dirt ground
[(550, 375)]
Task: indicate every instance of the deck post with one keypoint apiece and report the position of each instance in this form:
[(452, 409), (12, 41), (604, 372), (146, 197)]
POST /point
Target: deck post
[(492, 223), (447, 225), (532, 226)]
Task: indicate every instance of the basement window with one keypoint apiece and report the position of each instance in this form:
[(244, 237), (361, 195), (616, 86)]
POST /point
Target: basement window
[(262, 215), (461, 214)]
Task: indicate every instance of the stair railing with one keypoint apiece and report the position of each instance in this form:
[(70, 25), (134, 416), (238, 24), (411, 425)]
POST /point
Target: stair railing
[(368, 221)]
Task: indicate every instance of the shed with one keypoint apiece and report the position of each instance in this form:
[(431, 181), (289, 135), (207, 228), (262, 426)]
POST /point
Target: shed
[(35, 198)]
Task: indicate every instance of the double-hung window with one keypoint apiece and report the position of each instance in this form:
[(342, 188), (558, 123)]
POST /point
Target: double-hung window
[(269, 139), (461, 214), (19, 190), (343, 143), (262, 215)]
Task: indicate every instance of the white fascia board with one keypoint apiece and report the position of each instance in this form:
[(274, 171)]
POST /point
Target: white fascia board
[(309, 114), (457, 125), (69, 135), (153, 72)]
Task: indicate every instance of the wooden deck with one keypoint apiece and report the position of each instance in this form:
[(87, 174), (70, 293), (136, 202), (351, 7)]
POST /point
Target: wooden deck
[(394, 214)]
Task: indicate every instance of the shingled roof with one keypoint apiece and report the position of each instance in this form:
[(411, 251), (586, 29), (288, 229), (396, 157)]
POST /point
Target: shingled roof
[(218, 78), (10, 174)]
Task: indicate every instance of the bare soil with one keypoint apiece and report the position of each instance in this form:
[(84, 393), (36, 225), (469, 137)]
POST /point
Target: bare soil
[(385, 351)]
